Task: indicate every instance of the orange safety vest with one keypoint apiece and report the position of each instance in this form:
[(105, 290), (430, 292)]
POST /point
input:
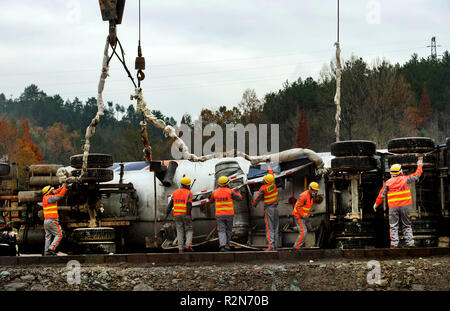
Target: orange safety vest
[(50, 210), (270, 193), (303, 210), (180, 200), (224, 201), (399, 193)]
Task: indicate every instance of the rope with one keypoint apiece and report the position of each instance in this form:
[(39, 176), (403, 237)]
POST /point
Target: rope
[(63, 175), (169, 131), (337, 97)]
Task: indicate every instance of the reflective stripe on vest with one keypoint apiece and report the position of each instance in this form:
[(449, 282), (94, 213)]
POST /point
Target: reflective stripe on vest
[(399, 193), (180, 200), (270, 194), (223, 201), (50, 210)]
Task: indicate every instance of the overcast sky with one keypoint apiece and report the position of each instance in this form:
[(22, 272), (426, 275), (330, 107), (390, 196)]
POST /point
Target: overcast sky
[(205, 53)]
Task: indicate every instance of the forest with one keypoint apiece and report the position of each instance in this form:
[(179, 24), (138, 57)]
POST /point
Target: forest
[(379, 102)]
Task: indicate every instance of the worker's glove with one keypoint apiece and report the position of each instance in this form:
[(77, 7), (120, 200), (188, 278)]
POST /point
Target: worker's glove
[(375, 207), (420, 161)]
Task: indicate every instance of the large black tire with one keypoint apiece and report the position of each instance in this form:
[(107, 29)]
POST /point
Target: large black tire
[(44, 169), (95, 175), (353, 148), (411, 145), (94, 160), (94, 234), (37, 181), (353, 164), (4, 169), (410, 160), (96, 247)]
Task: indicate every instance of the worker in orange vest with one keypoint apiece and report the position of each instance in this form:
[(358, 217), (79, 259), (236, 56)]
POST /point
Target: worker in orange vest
[(301, 213), (53, 232), (223, 198), (181, 203), (399, 201), (269, 193)]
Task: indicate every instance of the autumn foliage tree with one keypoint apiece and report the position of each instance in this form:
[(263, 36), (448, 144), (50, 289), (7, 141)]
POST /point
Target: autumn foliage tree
[(17, 144), (302, 139), (425, 106)]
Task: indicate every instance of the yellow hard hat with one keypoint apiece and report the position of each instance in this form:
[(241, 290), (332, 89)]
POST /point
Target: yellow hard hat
[(46, 189), (396, 169), (223, 180), (314, 186), (186, 181), (269, 178)]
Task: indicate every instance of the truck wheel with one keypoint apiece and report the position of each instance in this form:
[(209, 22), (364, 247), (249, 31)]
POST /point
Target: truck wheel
[(411, 144), (353, 164), (353, 148), (94, 234), (95, 175), (410, 160), (94, 160), (44, 169), (96, 247), (4, 169)]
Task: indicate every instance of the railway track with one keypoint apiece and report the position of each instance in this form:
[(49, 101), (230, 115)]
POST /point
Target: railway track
[(202, 258)]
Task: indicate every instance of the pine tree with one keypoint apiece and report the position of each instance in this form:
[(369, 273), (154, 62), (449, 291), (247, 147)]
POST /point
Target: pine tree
[(302, 140)]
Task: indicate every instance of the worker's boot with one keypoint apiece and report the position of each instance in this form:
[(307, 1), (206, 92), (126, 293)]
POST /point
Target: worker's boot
[(50, 253), (228, 248), (222, 249), (180, 251), (188, 249)]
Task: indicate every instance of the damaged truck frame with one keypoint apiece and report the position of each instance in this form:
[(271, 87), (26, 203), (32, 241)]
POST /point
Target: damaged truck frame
[(119, 207)]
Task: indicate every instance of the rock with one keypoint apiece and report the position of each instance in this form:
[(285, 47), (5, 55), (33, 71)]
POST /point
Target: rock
[(104, 276), (133, 282), (273, 287), (38, 288), (437, 264), (294, 288), (322, 265), (311, 261), (399, 262), (411, 270), (222, 281), (282, 268), (270, 272), (4, 274), (175, 281), (418, 287), (382, 283), (143, 287), (27, 277), (15, 286)]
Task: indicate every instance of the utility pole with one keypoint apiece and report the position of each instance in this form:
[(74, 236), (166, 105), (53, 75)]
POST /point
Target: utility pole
[(433, 48)]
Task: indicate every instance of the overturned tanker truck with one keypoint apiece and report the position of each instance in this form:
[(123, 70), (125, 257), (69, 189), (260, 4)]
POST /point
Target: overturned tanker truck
[(119, 207)]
